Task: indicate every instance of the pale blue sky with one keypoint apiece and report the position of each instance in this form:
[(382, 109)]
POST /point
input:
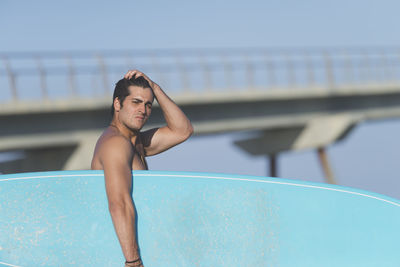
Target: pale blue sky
[(38, 25), (367, 159)]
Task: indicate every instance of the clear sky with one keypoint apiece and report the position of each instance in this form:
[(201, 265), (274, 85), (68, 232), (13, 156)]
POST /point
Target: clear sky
[(366, 159)]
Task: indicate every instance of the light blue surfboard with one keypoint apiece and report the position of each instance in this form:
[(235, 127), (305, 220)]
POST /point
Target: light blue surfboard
[(196, 219)]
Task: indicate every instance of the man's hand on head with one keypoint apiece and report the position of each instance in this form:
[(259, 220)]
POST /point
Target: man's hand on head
[(136, 73)]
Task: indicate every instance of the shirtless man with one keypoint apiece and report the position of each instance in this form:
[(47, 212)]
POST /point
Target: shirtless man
[(123, 147)]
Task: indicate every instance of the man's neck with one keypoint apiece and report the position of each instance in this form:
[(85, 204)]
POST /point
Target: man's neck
[(128, 133)]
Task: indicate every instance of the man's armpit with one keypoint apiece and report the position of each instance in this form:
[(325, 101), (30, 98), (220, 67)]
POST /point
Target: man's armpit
[(147, 137)]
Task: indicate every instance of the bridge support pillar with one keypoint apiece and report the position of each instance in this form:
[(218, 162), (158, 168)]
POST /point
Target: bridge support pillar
[(273, 168), (318, 133), (39, 159), (323, 158), (67, 151), (81, 158)]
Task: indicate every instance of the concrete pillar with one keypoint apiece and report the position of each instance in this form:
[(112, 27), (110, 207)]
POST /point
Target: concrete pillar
[(81, 158), (39, 159), (50, 152), (273, 170), (323, 158), (317, 134)]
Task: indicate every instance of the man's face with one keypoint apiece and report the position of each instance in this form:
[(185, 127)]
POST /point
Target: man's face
[(136, 107)]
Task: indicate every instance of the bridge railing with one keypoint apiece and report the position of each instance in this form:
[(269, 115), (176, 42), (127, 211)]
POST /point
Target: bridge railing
[(88, 74)]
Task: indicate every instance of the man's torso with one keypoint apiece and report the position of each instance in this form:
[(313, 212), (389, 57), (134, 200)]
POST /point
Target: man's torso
[(138, 160)]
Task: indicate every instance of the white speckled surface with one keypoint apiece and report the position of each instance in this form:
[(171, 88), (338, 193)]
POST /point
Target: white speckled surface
[(196, 219)]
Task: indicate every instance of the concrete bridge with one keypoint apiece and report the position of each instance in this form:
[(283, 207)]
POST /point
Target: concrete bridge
[(54, 105)]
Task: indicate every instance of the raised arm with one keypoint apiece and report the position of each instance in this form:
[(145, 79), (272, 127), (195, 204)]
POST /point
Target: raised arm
[(116, 158), (178, 127)]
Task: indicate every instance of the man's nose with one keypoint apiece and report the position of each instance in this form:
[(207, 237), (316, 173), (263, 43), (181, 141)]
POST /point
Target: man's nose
[(142, 109)]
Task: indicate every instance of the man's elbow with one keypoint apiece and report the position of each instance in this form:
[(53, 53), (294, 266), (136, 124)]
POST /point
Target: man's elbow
[(188, 132), (183, 134)]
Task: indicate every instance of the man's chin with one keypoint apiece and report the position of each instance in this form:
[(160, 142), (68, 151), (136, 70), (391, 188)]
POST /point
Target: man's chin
[(136, 128)]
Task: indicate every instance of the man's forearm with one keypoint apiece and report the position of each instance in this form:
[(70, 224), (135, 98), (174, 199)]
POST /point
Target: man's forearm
[(124, 220)]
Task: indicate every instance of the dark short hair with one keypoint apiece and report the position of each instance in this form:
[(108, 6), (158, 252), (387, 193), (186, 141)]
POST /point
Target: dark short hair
[(121, 89)]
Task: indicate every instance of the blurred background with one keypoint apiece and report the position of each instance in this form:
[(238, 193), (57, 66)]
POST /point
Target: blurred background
[(306, 90)]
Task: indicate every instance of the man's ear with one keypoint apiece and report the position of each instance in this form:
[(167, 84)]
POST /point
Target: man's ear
[(117, 104)]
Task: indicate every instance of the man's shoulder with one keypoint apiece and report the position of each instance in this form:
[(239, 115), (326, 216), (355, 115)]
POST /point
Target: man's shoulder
[(111, 148), (113, 142)]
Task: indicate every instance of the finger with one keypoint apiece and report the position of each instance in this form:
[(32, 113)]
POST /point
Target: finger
[(141, 74), (129, 74), (135, 74), (138, 73)]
